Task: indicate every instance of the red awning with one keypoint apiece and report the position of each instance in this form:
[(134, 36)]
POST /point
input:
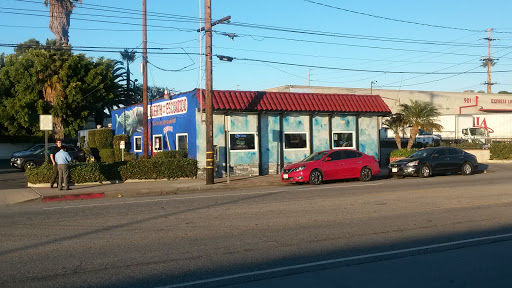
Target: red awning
[(296, 102)]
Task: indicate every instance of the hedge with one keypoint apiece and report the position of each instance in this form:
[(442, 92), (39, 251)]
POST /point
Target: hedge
[(402, 152), (463, 145), (79, 173), (155, 168), (100, 138), (501, 151), (171, 154), (107, 155), (135, 169)]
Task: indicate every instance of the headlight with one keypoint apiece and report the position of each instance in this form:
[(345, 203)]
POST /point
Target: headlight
[(300, 168), (413, 163)]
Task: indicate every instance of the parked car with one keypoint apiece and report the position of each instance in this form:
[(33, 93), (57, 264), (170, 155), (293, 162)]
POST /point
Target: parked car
[(331, 165), (34, 156), (430, 161)]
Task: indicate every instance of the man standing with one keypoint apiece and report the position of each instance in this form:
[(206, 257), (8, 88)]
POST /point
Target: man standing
[(55, 173), (62, 159)]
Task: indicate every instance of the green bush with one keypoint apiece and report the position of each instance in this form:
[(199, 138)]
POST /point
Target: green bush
[(116, 142), (155, 168), (172, 154), (502, 151), (107, 155), (41, 174), (82, 142), (86, 172), (402, 153), (100, 138), (79, 173)]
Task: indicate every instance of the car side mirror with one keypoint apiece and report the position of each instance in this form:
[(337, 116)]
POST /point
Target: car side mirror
[(327, 159)]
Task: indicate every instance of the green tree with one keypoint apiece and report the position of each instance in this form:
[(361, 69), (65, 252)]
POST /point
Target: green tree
[(53, 81), (2, 60), (397, 124), (419, 115), (60, 13), (504, 92), (128, 56)]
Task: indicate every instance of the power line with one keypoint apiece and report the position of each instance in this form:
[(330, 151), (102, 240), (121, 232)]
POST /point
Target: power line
[(394, 19)]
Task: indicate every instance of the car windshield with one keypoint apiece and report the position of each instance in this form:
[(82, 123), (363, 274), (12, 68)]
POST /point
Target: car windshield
[(421, 153), (315, 156), (35, 148)]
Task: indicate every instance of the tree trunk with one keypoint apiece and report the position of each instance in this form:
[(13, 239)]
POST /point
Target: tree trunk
[(398, 140), (412, 137), (60, 12)]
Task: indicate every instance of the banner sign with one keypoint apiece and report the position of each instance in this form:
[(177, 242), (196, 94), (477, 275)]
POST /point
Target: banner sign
[(168, 108)]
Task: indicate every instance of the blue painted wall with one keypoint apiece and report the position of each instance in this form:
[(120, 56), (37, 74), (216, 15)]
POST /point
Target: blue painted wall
[(369, 136), (320, 133), (269, 139), (128, 121), (295, 123)]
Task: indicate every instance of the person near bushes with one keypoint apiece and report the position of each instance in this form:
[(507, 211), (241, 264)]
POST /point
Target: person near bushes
[(62, 159), (55, 173)]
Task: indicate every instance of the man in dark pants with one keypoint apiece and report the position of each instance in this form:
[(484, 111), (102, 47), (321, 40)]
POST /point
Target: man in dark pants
[(62, 159), (55, 173)]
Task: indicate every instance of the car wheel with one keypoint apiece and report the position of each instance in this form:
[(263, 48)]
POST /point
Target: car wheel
[(366, 174), (316, 177), (425, 171), (467, 168), (29, 164)]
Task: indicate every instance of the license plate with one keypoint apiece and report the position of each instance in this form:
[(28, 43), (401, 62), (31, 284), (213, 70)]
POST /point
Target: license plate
[(285, 176), (394, 169)]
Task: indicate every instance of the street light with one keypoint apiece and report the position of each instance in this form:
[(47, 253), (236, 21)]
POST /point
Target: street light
[(371, 86)]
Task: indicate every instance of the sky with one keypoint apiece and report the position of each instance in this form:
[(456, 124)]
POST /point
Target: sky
[(401, 45)]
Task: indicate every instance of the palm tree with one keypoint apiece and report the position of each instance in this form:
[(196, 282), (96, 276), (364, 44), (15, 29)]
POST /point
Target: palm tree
[(397, 124), (60, 12), (129, 57), (420, 115)]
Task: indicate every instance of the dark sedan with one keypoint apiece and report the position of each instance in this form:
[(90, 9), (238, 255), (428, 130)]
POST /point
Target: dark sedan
[(438, 160), (34, 156)]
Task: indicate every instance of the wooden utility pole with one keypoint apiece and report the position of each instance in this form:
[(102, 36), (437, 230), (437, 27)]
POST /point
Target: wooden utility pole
[(210, 161), (489, 61), (145, 135), (209, 91)]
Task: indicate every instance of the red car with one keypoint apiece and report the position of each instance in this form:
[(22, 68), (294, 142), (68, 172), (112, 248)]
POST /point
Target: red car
[(331, 165)]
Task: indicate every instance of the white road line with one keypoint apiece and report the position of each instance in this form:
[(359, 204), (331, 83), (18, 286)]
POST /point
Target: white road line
[(338, 260), (211, 196)]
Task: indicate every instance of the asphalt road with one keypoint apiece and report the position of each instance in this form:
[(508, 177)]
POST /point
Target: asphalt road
[(11, 178), (234, 238)]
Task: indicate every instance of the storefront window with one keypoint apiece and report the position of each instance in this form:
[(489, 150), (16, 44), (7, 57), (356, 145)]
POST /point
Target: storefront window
[(343, 139), (138, 143), (295, 141), (157, 143), (242, 141), (182, 141)]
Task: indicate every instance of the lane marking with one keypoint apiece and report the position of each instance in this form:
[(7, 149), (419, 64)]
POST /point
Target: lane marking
[(338, 260), (289, 189)]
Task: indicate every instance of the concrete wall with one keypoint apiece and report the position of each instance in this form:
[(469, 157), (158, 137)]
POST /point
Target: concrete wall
[(6, 149)]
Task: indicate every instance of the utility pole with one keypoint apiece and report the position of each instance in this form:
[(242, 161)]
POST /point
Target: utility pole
[(489, 61), (210, 161), (145, 135)]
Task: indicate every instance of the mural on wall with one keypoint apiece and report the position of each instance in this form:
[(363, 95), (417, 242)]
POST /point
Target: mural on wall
[(130, 120), (368, 136), (167, 118), (245, 123)]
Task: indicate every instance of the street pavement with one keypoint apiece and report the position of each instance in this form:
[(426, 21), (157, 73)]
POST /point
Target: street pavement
[(130, 188), (315, 236)]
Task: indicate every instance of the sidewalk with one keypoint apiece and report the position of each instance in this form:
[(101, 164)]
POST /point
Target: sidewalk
[(134, 188)]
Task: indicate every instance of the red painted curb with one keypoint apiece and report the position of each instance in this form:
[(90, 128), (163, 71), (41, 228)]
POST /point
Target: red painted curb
[(73, 197)]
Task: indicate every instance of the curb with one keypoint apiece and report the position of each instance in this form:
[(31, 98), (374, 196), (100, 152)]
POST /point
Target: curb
[(72, 197)]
